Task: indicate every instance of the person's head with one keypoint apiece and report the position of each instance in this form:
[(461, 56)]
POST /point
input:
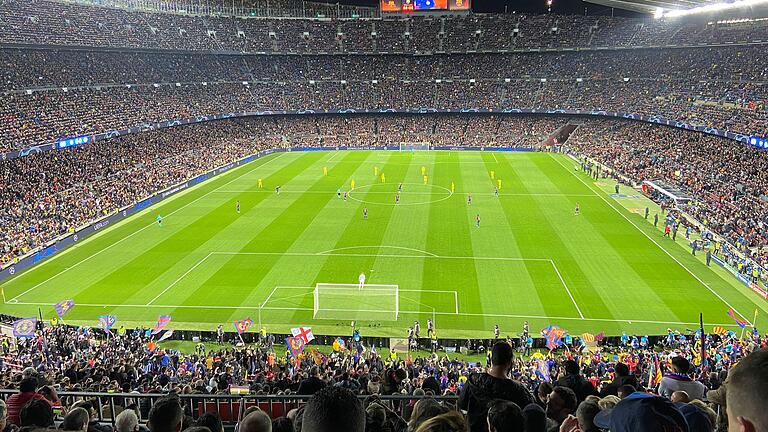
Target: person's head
[(28, 384), (535, 418), (423, 410), (331, 409), (212, 421), (3, 415), (502, 355), (127, 421), (166, 415), (543, 391), (621, 369), (680, 365), (561, 402), (451, 421), (76, 420), (314, 371), (680, 396), (642, 412), (747, 393), (585, 414), (257, 421), (282, 424), (608, 402), (505, 416), (571, 367), (36, 412), (625, 391)]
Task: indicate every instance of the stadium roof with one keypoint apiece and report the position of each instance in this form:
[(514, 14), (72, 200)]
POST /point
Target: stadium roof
[(650, 6)]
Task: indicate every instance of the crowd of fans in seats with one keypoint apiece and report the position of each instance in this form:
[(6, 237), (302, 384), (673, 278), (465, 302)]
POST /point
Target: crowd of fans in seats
[(728, 180), (50, 194), (650, 388), (711, 87), (47, 22)]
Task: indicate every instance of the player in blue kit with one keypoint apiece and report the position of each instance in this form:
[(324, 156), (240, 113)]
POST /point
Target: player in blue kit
[(159, 220)]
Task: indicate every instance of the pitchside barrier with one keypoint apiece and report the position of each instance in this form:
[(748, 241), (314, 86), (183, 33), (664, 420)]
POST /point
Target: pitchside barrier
[(229, 407)]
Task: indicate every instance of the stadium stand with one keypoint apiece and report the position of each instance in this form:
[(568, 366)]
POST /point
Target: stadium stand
[(69, 69)]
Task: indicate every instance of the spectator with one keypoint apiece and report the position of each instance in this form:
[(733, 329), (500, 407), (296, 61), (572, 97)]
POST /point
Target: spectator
[(482, 388), (127, 421), (451, 421), (282, 424), (625, 391), (562, 402), (312, 384), (212, 421), (678, 379), (747, 389), (17, 401), (257, 421), (166, 415), (333, 409), (585, 415), (535, 418), (37, 413), (622, 378), (574, 381), (423, 410), (642, 412), (76, 420), (505, 416)]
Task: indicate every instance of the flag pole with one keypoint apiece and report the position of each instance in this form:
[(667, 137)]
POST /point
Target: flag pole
[(703, 339)]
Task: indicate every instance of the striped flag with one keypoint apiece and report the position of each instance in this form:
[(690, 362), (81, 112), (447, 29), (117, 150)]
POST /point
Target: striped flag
[(162, 322), (739, 322), (107, 321), (719, 330), (63, 307), (25, 327), (588, 337), (654, 374)]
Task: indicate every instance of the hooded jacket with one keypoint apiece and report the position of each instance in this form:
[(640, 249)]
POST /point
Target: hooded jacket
[(481, 389)]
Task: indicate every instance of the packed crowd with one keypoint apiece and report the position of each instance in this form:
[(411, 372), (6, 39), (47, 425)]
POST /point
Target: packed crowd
[(50, 194), (727, 180), (49, 22), (650, 388)]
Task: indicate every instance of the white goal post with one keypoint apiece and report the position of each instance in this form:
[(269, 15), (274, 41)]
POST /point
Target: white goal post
[(412, 146), (351, 302)]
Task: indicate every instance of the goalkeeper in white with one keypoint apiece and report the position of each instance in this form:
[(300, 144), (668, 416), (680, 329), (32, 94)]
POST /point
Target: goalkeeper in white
[(361, 280)]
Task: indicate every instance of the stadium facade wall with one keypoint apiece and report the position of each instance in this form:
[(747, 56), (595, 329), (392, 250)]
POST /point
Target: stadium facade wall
[(85, 139)]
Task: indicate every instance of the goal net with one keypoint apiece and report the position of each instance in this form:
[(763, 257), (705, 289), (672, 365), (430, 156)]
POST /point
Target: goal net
[(352, 302), (409, 146)]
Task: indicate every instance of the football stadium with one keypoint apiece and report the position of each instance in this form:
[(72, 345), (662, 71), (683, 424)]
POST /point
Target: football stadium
[(383, 215)]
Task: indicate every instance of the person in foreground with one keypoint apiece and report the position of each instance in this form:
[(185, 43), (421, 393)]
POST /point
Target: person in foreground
[(747, 393), (482, 388)]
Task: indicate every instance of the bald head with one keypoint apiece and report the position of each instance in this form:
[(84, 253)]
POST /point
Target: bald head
[(257, 421), (747, 393)]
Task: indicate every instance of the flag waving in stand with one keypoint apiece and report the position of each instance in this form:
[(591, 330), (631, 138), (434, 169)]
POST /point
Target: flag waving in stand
[(295, 345), (242, 326), (304, 333), (162, 322), (63, 307)]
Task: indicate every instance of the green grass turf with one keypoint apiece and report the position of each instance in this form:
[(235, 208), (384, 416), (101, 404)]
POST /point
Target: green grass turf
[(209, 265)]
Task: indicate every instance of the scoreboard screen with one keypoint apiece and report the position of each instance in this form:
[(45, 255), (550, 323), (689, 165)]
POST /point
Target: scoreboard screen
[(396, 6)]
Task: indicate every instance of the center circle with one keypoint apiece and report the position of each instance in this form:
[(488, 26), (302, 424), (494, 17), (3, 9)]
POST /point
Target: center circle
[(412, 194)]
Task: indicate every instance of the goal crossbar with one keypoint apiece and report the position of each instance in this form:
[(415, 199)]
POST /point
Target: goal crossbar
[(376, 302)]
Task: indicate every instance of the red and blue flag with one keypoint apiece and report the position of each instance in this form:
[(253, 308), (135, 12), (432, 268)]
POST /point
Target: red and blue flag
[(295, 345), (242, 326), (106, 322), (739, 322), (25, 327), (162, 322), (63, 307)]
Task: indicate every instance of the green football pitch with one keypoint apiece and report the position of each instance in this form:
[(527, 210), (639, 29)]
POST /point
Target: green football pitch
[(532, 258)]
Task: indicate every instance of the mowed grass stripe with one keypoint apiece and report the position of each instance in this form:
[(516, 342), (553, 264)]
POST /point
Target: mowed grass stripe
[(238, 277), (634, 272), (448, 235), (130, 243), (686, 286), (339, 269), (134, 279), (527, 215)]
